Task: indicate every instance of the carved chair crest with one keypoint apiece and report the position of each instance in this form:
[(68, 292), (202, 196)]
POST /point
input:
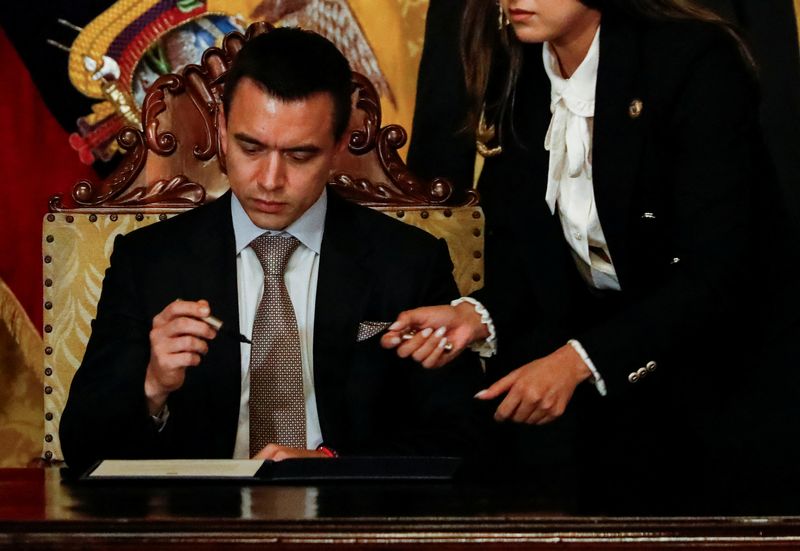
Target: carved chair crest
[(172, 164)]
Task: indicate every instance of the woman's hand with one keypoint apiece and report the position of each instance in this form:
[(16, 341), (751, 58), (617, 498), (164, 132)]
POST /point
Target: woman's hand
[(434, 327), (538, 392)]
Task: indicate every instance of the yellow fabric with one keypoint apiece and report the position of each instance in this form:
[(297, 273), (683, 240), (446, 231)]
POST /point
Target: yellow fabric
[(79, 253), (21, 388), (395, 29), (463, 233), (797, 16)]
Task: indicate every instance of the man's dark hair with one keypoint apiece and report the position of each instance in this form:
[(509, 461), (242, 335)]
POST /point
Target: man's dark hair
[(292, 64)]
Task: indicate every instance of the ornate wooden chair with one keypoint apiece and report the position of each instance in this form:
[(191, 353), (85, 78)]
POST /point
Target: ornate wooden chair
[(172, 165)]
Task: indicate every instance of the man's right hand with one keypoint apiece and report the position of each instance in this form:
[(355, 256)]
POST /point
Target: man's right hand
[(177, 341)]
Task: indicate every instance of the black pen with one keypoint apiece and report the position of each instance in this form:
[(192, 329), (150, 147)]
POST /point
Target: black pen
[(216, 323), (408, 335)]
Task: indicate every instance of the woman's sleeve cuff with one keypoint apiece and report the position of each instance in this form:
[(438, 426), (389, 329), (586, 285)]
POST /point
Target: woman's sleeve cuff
[(597, 379), (487, 347)]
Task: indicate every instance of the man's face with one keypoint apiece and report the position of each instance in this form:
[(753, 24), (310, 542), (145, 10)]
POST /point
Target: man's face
[(278, 153)]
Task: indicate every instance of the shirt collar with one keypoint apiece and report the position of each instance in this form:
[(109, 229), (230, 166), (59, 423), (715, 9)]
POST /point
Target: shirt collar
[(578, 91), (307, 229)]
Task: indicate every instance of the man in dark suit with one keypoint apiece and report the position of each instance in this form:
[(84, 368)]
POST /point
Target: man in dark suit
[(180, 388)]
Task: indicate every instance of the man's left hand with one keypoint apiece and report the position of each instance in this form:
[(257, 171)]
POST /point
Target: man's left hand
[(538, 392), (279, 453)]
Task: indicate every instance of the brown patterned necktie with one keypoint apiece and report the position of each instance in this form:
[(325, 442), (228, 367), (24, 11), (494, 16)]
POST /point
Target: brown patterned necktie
[(277, 403)]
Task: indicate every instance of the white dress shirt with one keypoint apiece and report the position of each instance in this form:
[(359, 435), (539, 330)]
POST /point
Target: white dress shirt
[(301, 283), (570, 188)]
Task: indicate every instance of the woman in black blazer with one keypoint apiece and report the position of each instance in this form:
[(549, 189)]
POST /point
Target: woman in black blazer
[(623, 158)]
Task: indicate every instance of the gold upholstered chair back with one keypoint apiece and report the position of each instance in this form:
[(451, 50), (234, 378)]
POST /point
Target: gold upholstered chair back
[(171, 165), (21, 388)]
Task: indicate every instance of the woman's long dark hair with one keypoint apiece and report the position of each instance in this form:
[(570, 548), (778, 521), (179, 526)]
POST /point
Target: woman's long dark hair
[(484, 48)]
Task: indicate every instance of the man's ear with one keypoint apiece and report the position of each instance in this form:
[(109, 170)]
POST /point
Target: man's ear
[(222, 139)]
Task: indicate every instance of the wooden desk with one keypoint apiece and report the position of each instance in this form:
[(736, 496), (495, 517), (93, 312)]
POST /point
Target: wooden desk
[(38, 511)]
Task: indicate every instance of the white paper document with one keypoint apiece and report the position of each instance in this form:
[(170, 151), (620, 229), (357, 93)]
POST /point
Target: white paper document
[(177, 468)]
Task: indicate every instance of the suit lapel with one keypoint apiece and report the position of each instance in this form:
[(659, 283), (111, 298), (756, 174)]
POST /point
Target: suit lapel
[(528, 176), (618, 132), (343, 289), (214, 271)]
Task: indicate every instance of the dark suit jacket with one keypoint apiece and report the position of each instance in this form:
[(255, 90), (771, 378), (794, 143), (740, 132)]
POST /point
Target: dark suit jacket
[(369, 401), (673, 189)]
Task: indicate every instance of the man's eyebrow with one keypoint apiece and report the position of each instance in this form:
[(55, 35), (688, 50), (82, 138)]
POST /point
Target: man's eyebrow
[(303, 148), (300, 148), (242, 137)]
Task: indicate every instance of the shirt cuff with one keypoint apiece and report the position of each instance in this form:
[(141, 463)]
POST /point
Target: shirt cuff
[(160, 418), (488, 347), (597, 379)]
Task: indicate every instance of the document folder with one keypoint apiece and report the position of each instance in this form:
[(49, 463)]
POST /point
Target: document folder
[(406, 468)]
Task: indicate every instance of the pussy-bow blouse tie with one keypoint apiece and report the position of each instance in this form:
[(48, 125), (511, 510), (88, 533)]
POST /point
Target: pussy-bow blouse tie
[(568, 139)]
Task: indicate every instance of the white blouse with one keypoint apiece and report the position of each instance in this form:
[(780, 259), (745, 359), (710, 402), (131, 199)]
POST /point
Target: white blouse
[(569, 181)]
